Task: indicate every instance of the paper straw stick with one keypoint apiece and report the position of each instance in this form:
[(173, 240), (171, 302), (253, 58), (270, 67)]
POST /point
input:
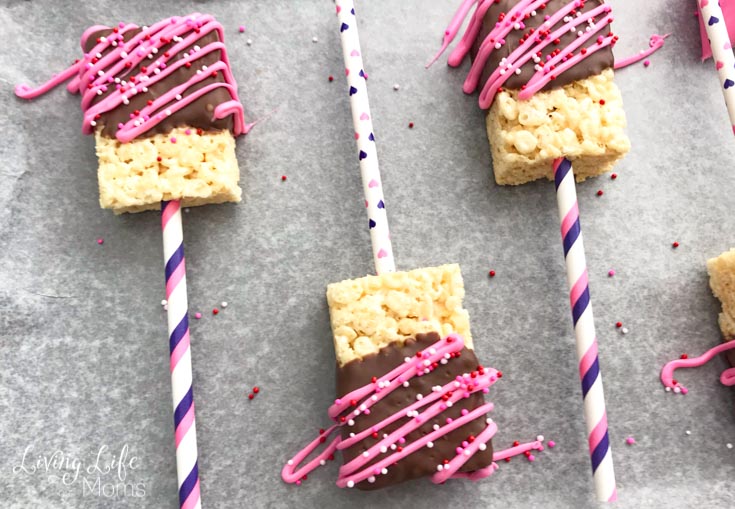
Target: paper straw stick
[(584, 329), (714, 23), (181, 378), (365, 137)]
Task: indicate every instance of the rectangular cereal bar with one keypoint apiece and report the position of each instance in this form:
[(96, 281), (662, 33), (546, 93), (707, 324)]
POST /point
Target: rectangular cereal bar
[(379, 322)]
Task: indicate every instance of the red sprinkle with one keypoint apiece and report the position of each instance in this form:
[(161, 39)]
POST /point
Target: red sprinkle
[(602, 102), (491, 273), (215, 311), (600, 192), (283, 178), (410, 125), (251, 395), (256, 389), (675, 245), (331, 78), (613, 176), (618, 324), (684, 356)]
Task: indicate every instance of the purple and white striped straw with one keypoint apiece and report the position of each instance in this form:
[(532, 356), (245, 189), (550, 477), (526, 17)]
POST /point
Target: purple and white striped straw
[(584, 330), (187, 469)]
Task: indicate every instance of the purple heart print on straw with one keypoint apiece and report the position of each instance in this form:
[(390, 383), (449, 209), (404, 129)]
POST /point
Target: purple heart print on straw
[(363, 131), (714, 23)]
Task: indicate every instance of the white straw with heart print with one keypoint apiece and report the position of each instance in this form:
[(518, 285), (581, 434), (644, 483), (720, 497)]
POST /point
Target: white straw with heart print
[(366, 151), (719, 40)]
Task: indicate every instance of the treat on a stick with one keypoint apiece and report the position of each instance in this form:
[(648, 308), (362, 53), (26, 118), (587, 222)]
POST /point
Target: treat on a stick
[(544, 72), (409, 384), (163, 106), (162, 103), (722, 282)]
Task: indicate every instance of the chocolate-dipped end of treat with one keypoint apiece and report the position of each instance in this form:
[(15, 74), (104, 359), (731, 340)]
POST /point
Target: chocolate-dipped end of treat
[(423, 462), (199, 114), (590, 66)]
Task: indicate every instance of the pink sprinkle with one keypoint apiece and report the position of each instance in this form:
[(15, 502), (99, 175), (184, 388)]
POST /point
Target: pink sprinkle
[(298, 483), (611, 272), (188, 131), (485, 390), (459, 450), (646, 63), (531, 458), (100, 241), (120, 125), (464, 412), (241, 28), (552, 444), (376, 471), (401, 440), (465, 444), (197, 315), (173, 140), (630, 440), (684, 390), (449, 420)]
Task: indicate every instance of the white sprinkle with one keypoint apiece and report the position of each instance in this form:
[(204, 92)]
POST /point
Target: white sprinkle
[(92, 123), (467, 452), (356, 412), (498, 45), (371, 479), (249, 42), (430, 444), (436, 427), (393, 447), (405, 384), (449, 404), (667, 389), (383, 449), (407, 359), (352, 435), (315, 39), (366, 454), (164, 302), (154, 50), (489, 420), (624, 330), (384, 471), (99, 92), (374, 397), (419, 397), (178, 97), (158, 71), (396, 86), (322, 462), (350, 484), (518, 71), (204, 67), (350, 422), (443, 361), (167, 112), (439, 468), (728, 445), (482, 447), (677, 390), (117, 80), (688, 432), (224, 304), (290, 462), (540, 438)]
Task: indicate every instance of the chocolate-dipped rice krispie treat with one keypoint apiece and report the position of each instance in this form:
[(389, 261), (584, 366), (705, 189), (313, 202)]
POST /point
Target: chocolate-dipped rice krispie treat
[(163, 106)]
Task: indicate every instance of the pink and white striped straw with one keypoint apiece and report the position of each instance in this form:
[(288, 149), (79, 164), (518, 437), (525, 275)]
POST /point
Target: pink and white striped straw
[(595, 414), (365, 137), (714, 24), (187, 468)]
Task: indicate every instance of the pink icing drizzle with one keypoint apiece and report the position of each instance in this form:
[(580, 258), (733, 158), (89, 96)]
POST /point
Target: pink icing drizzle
[(727, 377), (93, 74), (416, 414), (546, 70), (654, 44)]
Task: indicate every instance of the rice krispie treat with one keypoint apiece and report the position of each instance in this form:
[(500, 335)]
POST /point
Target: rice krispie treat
[(545, 74), (381, 321), (722, 281), (163, 106)]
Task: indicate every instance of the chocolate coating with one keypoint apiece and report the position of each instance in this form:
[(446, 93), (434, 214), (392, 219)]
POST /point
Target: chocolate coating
[(593, 64), (358, 373), (198, 114)]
